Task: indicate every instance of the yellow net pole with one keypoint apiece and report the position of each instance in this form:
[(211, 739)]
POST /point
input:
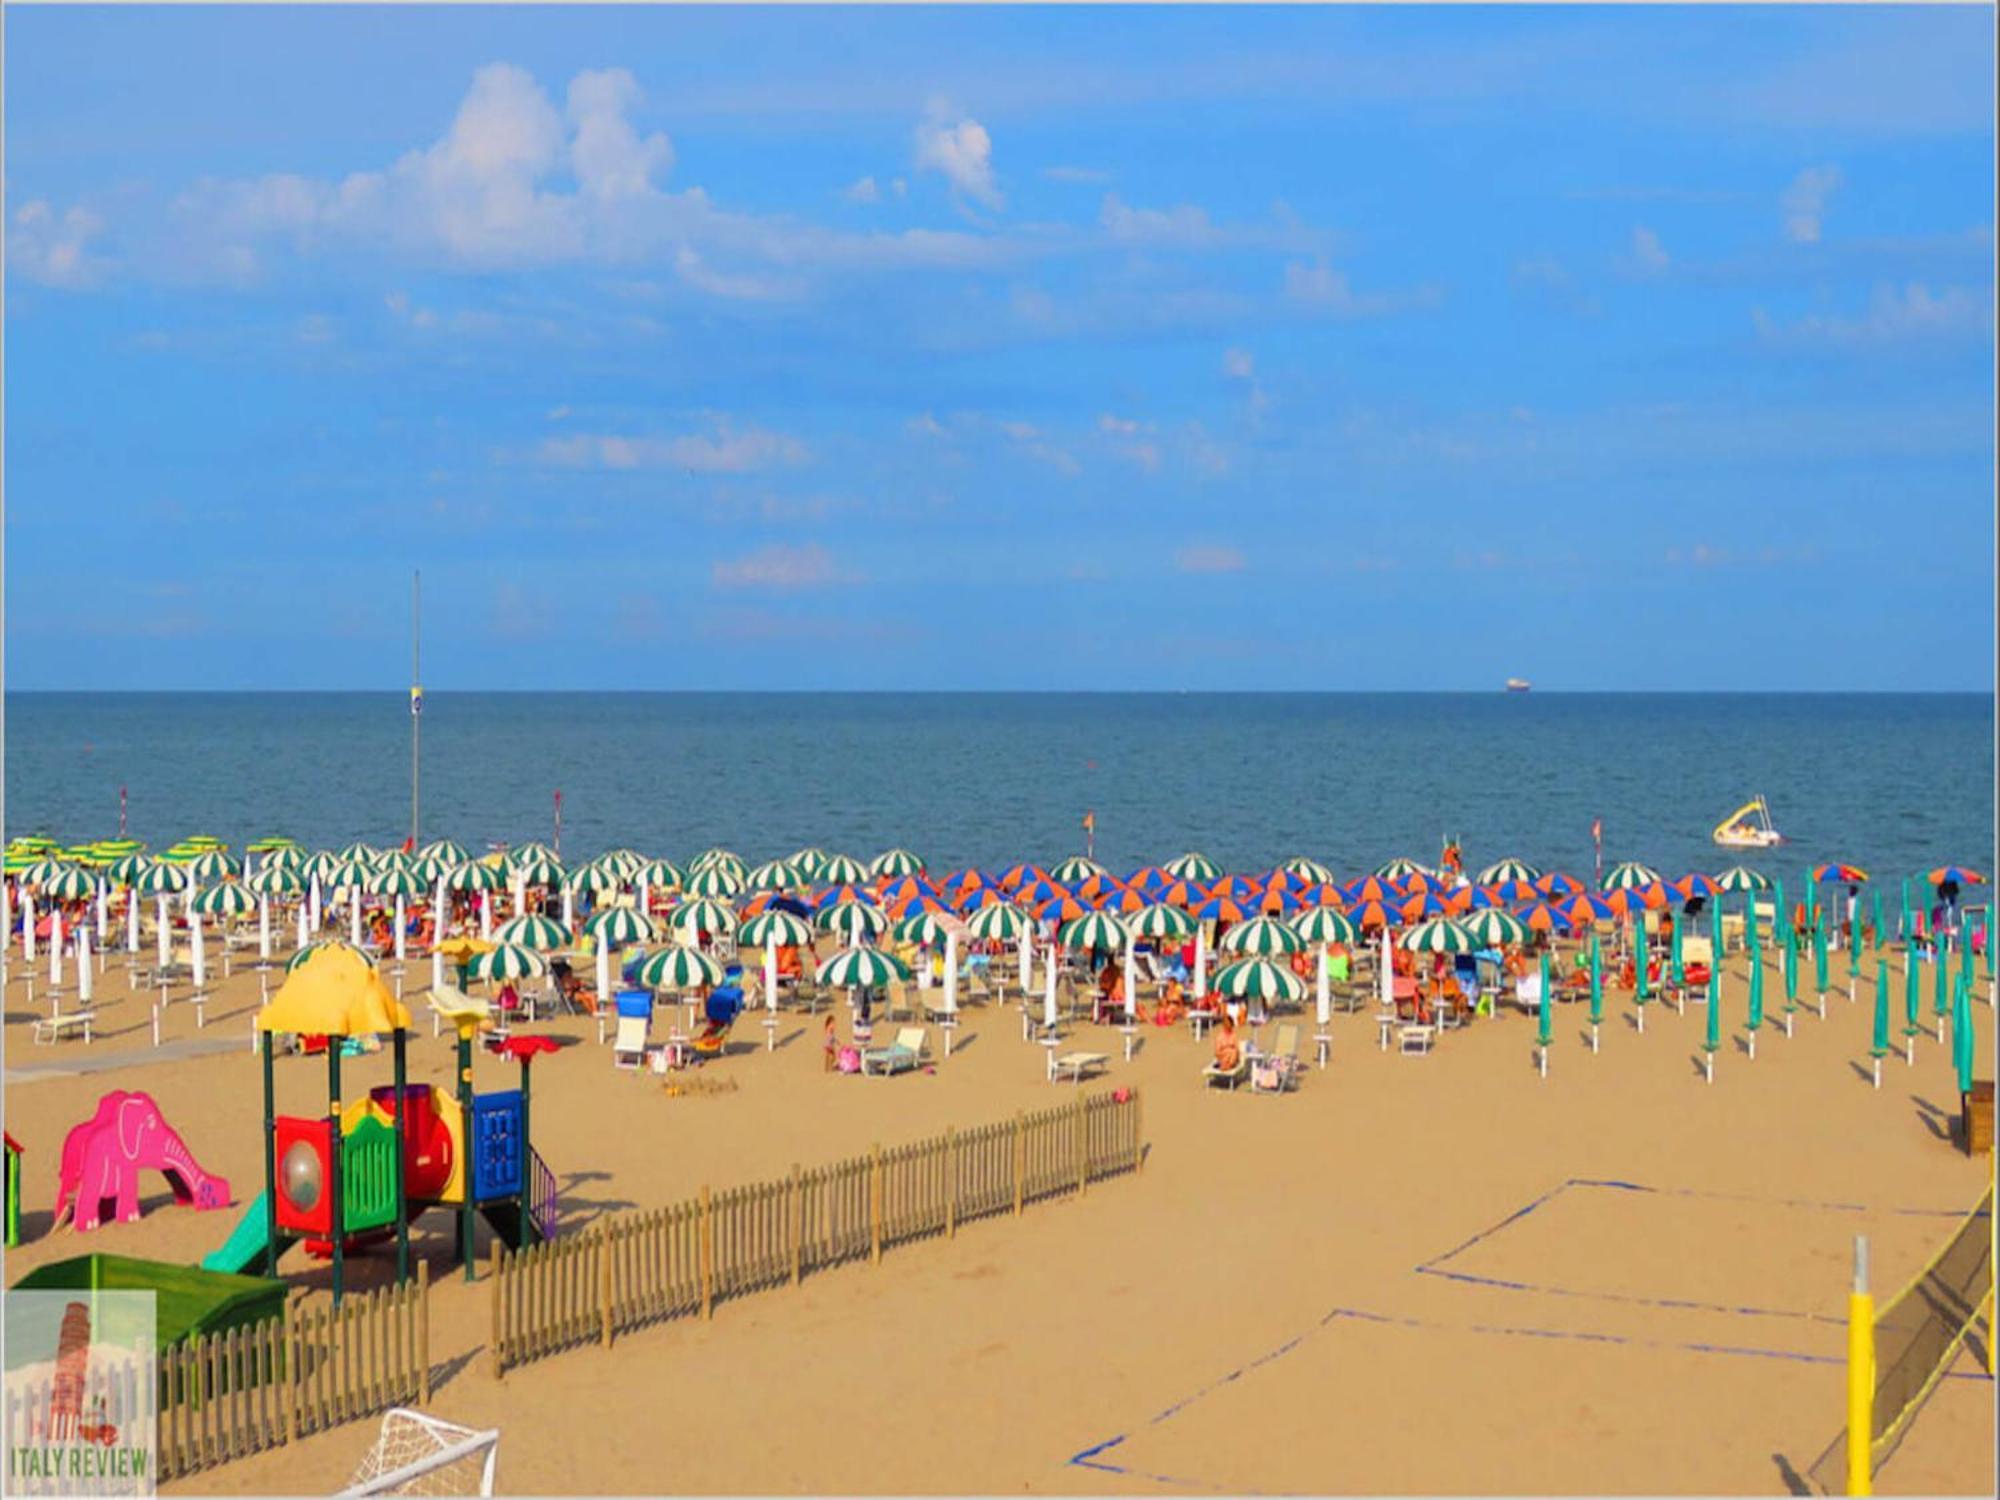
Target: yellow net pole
[(1993, 1250), (1860, 1374)]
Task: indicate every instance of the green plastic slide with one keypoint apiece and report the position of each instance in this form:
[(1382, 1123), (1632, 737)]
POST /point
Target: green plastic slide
[(245, 1244)]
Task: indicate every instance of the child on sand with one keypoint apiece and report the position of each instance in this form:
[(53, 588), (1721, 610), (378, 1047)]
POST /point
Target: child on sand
[(831, 1044)]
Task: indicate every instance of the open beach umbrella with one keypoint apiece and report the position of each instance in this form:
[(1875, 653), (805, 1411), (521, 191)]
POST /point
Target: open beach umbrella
[(1074, 870), (543, 934), (1192, 866), (537, 869), (1586, 907), (1837, 874), (1955, 875), (716, 882), (1439, 935), (855, 921), (1016, 876), (161, 880), (616, 927), (702, 916), (312, 950), (1099, 889), (1061, 907), (1323, 924), (772, 929), (472, 875), (1540, 916), (399, 882), (1003, 922), (1554, 883), (1261, 937), (1741, 879), (809, 861), (1258, 979), (1374, 914), (229, 899), (1373, 888), (774, 875), (1631, 901), (727, 859), (1160, 922), (895, 862), (1514, 892), (65, 883), (447, 850), (1503, 870), (840, 869), (1399, 870), (214, 864), (1236, 888), (860, 968), (1494, 928), (507, 961), (1097, 930), (680, 969), (1222, 909), (1311, 871), (1422, 906), (1629, 875)]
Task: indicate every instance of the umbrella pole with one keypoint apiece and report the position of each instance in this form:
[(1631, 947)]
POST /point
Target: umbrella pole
[(471, 1145), (402, 1203), (336, 1219), (524, 1232), (270, 1164)]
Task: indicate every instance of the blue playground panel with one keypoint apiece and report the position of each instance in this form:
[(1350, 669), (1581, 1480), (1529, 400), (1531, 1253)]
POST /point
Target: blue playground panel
[(496, 1145)]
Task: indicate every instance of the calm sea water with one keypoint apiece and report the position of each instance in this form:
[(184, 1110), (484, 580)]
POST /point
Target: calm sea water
[(1892, 782)]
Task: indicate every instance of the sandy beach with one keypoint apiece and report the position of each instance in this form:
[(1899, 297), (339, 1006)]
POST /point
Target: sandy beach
[(1305, 1292)]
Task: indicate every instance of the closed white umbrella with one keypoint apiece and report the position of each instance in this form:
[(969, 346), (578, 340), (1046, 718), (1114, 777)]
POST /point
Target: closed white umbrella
[(194, 932), (1049, 992), (305, 936), (83, 975), (55, 944), (950, 970), (27, 927), (354, 915), (486, 916), (1201, 961), (131, 920), (1388, 974), (166, 930), (103, 910), (264, 926)]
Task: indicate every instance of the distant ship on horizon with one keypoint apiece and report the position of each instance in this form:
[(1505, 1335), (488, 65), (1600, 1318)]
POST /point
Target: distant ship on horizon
[(1518, 684)]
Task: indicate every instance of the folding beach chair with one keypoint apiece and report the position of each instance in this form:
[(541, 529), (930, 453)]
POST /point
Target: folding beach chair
[(1277, 1070), (912, 1046), (635, 1019)]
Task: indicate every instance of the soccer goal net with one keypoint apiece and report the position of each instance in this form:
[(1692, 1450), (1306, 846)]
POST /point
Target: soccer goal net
[(416, 1454)]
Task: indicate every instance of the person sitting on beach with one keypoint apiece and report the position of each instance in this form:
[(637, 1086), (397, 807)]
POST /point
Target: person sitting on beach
[(1171, 1007), (1110, 989), (508, 1000), (1339, 966), (1228, 1052), (830, 1043), (790, 966)]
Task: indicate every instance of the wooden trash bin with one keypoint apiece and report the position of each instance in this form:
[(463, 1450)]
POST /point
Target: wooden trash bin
[(1976, 1117)]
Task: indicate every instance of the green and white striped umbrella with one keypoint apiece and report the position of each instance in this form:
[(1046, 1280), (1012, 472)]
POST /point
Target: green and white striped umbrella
[(475, 876), (1261, 937), (895, 862), (595, 876), (661, 874), (508, 961), (358, 851), (226, 900), (621, 926), (774, 875), (1257, 979), (532, 849), (276, 880), (1193, 866), (1159, 921), (161, 880), (1075, 870), (1630, 875), (785, 929), (624, 862), (394, 881), (446, 850), (1099, 930), (998, 923), (717, 882), (429, 869), (923, 927), (856, 920), (1503, 870), (1399, 869), (1439, 935), (534, 931), (291, 857), (127, 870), (702, 915), (1741, 878), (392, 859), (860, 967), (320, 867), (1494, 928), (45, 869), (310, 950), (1312, 869), (809, 862), (539, 869), (679, 968), (349, 872), (718, 859), (69, 884), (840, 869), (1322, 924)]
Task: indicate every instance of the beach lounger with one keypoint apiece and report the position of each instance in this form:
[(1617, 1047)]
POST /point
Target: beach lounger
[(1213, 1075), (912, 1046), (635, 1022), (1277, 1070), (1414, 1041), (51, 1029), (976, 986), (1076, 1066)]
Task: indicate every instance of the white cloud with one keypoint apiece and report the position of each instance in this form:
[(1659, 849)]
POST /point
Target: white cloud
[(863, 191), (1324, 287), (925, 425), (1184, 224), (738, 286), (1238, 364), (1209, 559), (781, 568), (1116, 425), (53, 248), (1647, 251), (961, 152), (557, 413), (727, 450), (1804, 203), (1895, 315), (607, 155)]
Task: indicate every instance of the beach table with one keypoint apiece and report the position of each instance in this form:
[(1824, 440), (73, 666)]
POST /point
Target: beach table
[(1199, 1021), (1076, 1065)]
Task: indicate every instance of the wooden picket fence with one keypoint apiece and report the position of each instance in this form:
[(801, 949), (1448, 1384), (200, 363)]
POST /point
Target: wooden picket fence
[(633, 1269), (224, 1396)]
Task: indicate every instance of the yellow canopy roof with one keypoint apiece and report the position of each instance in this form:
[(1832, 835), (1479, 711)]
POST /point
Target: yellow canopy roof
[(463, 946), (336, 992)]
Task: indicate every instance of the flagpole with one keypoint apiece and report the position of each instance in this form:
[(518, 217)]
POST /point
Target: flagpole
[(416, 694)]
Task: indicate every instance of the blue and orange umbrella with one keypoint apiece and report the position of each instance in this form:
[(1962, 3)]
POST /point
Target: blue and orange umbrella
[(1540, 916), (1694, 887), (1223, 909), (1371, 914), (1839, 874), (978, 896), (1372, 888), (1629, 900), (1020, 875), (1475, 898), (1955, 874), (1148, 878), (1236, 887), (1586, 907), (1182, 893), (1096, 889), (1422, 905), (1278, 897), (1061, 907), (1556, 883), (833, 895), (1327, 895), (1511, 891), (958, 882)]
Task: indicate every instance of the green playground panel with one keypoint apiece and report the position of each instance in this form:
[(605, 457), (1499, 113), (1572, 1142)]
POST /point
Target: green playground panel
[(187, 1299), (368, 1176)]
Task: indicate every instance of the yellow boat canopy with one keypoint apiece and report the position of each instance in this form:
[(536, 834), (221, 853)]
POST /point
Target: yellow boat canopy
[(336, 992), (1741, 817)]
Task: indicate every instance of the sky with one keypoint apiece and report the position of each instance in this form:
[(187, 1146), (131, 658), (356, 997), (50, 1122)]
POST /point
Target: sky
[(1041, 348)]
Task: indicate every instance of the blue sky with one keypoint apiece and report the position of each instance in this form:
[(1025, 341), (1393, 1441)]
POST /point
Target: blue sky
[(1031, 348)]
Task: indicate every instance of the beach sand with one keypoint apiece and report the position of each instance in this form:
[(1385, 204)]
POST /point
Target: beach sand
[(1296, 1293)]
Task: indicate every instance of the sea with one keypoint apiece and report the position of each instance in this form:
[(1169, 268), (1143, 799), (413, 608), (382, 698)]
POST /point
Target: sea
[(1895, 783)]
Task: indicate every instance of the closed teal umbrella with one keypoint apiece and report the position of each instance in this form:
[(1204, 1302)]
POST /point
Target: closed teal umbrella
[(1880, 1047), (1908, 925), (1756, 1018), (1680, 976), (1543, 1018), (1965, 958), (1715, 958), (1819, 960), (1940, 991), (1596, 990), (1961, 1036), (1644, 984), (1791, 966), (1913, 1008), (1875, 907)]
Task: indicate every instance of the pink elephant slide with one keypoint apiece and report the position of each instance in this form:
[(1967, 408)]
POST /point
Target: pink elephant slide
[(102, 1158)]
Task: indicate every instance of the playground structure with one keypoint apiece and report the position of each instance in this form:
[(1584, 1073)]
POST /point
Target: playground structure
[(13, 1191), (103, 1156), (187, 1301)]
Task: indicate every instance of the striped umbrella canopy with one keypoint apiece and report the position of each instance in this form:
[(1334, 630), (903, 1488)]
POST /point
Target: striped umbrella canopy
[(625, 862), (119, 847), (46, 869), (1586, 907), (1096, 890), (1399, 870), (429, 869), (69, 883), (775, 875), (83, 854), (1541, 916), (1629, 874), (1475, 898), (1311, 871), (1839, 874), (201, 842), (1130, 898), (1367, 914), (911, 902), (320, 866), (1425, 880), (450, 852), (860, 967), (226, 900), (973, 900), (1440, 935), (1182, 893), (1223, 909), (181, 854), (1193, 866), (718, 882), (809, 861), (1955, 874), (834, 895), (1513, 892), (475, 875), (312, 950), (1372, 888), (1278, 898), (963, 882), (1236, 887), (276, 880), (927, 927), (1257, 979), (1555, 883), (291, 858), (1098, 930), (1694, 886), (726, 859), (1075, 870), (1261, 937), (270, 843), (533, 930), (1422, 906), (1495, 928), (620, 927), (1038, 893), (159, 879), (1017, 876), (901, 887), (538, 869), (895, 862), (392, 859), (1160, 921), (1322, 924), (15, 861), (34, 843), (1148, 878), (1000, 922), (703, 915), (755, 902), (853, 919), (396, 881), (1502, 870), (783, 928), (1060, 908), (1630, 900), (663, 873), (1742, 879), (349, 872), (507, 961), (531, 849), (841, 869), (359, 851), (595, 876), (679, 968)]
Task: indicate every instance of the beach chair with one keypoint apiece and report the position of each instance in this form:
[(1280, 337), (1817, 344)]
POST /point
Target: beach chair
[(1076, 1066), (635, 1022), (896, 1003), (50, 1029), (1212, 1075), (976, 986), (1415, 1041), (912, 1046), (1277, 1070)]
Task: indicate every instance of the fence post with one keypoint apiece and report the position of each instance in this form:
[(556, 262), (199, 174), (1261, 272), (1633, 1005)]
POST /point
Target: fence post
[(875, 1203), (707, 1253), (423, 1332), (798, 1224), (1082, 1153), (498, 1340), (951, 1187), (1020, 1157), (288, 1334), (1138, 1131), (604, 1280)]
